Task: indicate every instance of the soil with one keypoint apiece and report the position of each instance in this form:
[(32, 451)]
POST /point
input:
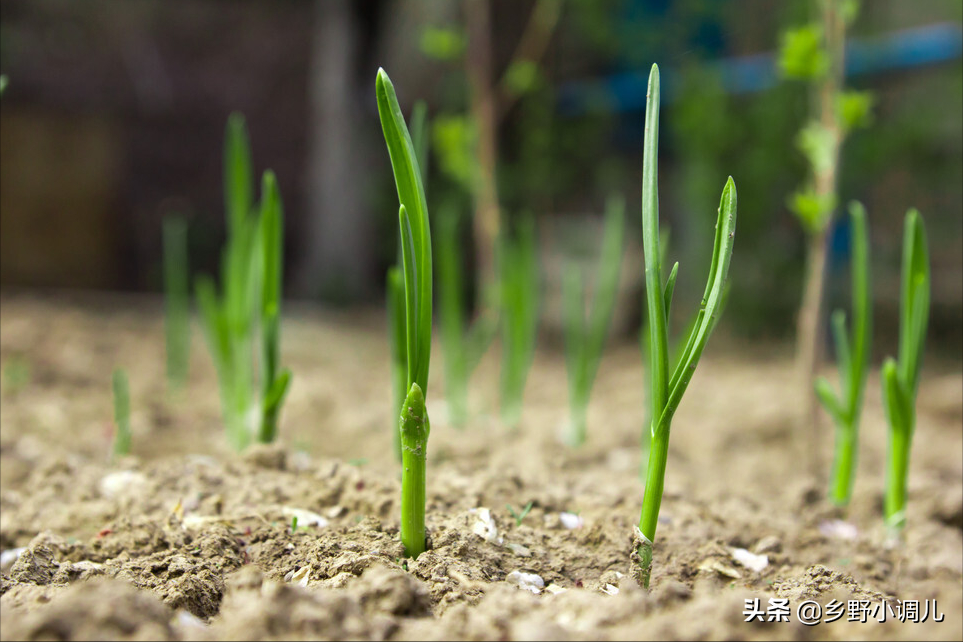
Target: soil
[(184, 539)]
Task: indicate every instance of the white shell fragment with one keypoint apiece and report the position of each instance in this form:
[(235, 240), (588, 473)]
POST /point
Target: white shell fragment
[(610, 589), (571, 521), (299, 577), (838, 529), (122, 482), (555, 589), (528, 581), (305, 517), (750, 560), (9, 556), (485, 527)]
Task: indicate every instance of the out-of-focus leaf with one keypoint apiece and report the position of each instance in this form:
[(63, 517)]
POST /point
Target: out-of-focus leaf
[(442, 43), (855, 109), (801, 53)]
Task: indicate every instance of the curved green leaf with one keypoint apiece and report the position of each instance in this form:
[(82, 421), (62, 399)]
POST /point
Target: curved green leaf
[(416, 237)]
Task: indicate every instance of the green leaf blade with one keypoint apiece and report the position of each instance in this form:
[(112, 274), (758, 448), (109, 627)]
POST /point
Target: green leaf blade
[(238, 172), (712, 301), (658, 341), (411, 195)]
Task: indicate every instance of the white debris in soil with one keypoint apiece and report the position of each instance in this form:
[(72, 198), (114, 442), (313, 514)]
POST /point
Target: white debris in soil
[(305, 517), (484, 526), (87, 565), (518, 549), (193, 522), (750, 560), (610, 589), (122, 482), (528, 581), (189, 621), (299, 577), (838, 529), (555, 589), (717, 566), (9, 556), (571, 521)]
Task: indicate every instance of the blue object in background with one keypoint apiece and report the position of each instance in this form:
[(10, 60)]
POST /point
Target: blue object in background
[(625, 91)]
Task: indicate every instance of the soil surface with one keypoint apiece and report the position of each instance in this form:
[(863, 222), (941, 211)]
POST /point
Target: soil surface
[(184, 539)]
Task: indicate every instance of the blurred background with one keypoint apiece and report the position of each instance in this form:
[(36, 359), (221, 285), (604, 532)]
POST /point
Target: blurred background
[(114, 116)]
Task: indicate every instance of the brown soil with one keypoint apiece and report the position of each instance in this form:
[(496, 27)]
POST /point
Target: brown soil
[(185, 540)]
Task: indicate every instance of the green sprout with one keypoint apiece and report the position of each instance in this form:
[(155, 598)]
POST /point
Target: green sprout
[(584, 341), (397, 342), (395, 283), (665, 391), (251, 279), (901, 378), (463, 344), (414, 426), (16, 373), (815, 53), (176, 301), (519, 517), (852, 356), (294, 524), (121, 413), (274, 383), (518, 304)]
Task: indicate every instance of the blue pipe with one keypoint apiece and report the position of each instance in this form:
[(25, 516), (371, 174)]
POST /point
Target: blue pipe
[(625, 91)]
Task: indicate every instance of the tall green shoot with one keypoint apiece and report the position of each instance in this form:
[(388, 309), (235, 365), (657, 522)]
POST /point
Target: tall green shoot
[(584, 340), (176, 301), (463, 344), (414, 426), (852, 357), (900, 379), (667, 386), (397, 341), (395, 283), (251, 280), (518, 305), (121, 391), (274, 380)]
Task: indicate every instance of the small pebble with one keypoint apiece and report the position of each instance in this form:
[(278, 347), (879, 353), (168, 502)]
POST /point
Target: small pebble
[(610, 589), (485, 527), (571, 521), (528, 581), (750, 560)]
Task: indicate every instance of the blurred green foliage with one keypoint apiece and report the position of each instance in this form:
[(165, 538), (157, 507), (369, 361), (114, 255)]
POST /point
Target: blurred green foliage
[(550, 162), (442, 43), (801, 53)]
